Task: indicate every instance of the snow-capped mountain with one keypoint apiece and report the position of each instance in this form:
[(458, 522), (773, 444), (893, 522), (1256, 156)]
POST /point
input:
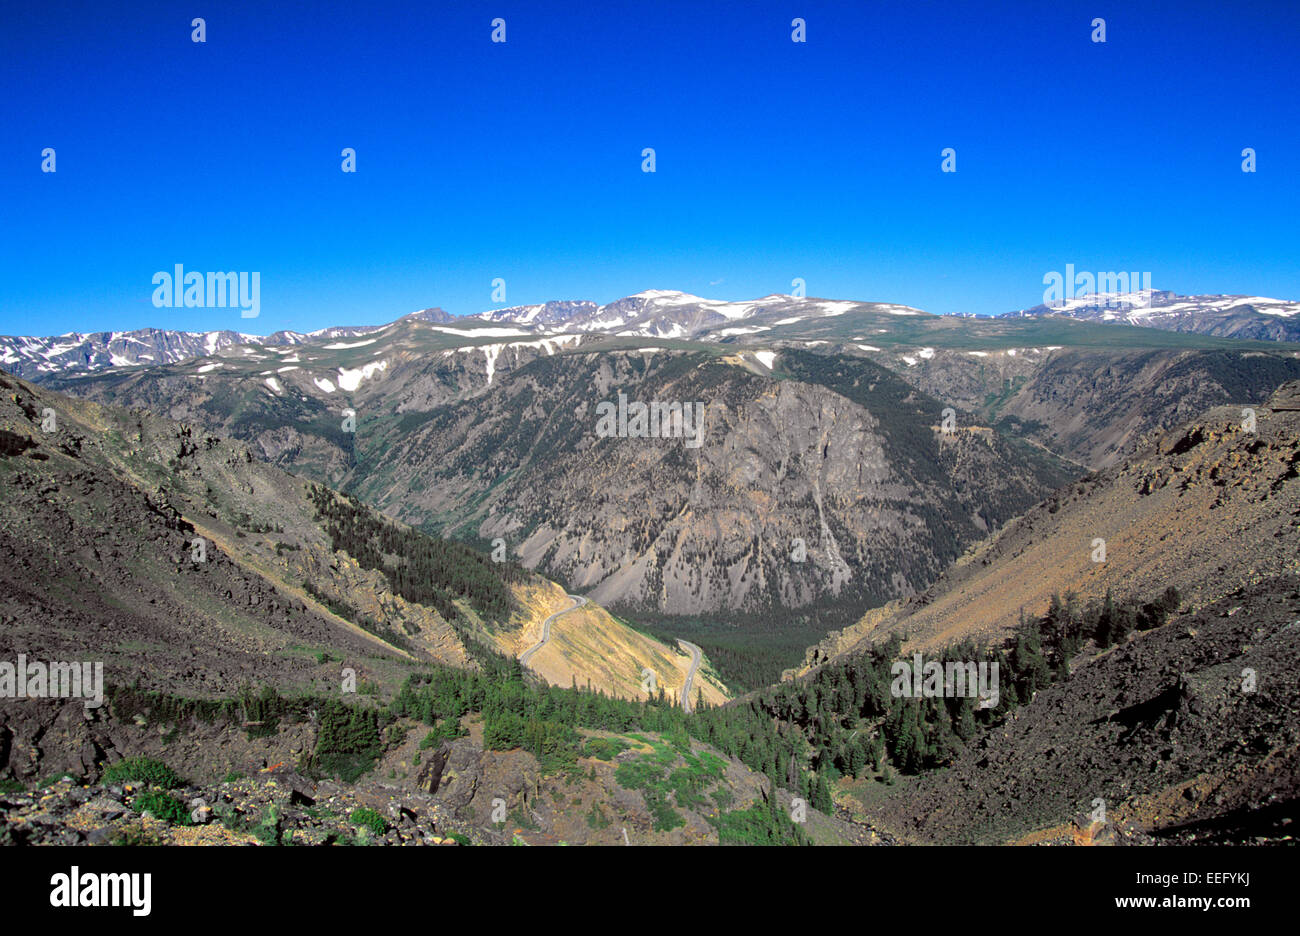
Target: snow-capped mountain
[(1254, 317), (546, 314), (666, 313), (77, 352), (659, 314), (655, 313)]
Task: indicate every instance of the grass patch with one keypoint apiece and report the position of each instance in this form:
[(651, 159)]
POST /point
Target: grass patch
[(368, 818), (162, 805), (145, 770)]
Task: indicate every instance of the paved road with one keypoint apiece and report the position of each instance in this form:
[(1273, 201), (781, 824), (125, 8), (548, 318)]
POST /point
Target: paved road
[(578, 602), (695, 652)]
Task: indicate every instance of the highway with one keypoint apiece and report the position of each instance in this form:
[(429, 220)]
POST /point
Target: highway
[(695, 653), (578, 602)]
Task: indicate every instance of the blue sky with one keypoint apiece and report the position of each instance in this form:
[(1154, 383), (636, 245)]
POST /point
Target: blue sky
[(522, 160)]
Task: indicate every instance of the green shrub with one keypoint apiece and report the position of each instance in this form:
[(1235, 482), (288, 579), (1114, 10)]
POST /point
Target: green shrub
[(144, 770), (268, 830), (596, 817), (758, 825), (604, 748), (162, 806), (349, 742), (369, 819), (448, 729)]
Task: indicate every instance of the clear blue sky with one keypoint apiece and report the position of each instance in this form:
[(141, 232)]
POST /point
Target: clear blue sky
[(523, 160)]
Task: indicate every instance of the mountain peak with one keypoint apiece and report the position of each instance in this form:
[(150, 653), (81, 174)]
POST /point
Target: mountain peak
[(1225, 316), (434, 314)]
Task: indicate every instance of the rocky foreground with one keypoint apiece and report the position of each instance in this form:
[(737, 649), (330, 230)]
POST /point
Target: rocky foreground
[(275, 807)]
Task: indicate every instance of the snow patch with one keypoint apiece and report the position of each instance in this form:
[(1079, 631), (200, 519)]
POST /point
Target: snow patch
[(349, 380), (480, 332), (491, 352)]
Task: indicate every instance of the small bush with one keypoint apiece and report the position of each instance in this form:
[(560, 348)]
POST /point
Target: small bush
[(268, 830), (144, 770), (448, 729), (369, 819), (604, 748), (162, 806), (349, 742)]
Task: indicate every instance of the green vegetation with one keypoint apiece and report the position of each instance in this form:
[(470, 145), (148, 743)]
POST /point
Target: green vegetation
[(605, 749), (369, 819), (161, 805), (554, 744), (520, 819), (844, 720), (750, 650), (418, 567), (596, 818), (349, 741), (663, 785), (143, 770), (760, 824), (449, 729), (268, 831), (841, 721), (133, 836), (651, 779)]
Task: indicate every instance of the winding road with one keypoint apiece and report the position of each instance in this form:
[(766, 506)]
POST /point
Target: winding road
[(578, 602), (695, 652)]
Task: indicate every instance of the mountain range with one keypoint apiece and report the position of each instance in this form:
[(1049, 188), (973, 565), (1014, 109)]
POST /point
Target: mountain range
[(1223, 316), (668, 314), (430, 505)]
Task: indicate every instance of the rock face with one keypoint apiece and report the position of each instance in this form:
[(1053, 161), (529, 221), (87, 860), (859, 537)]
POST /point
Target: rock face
[(832, 484), (1210, 507), (1165, 730), (161, 549), (1096, 407)]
